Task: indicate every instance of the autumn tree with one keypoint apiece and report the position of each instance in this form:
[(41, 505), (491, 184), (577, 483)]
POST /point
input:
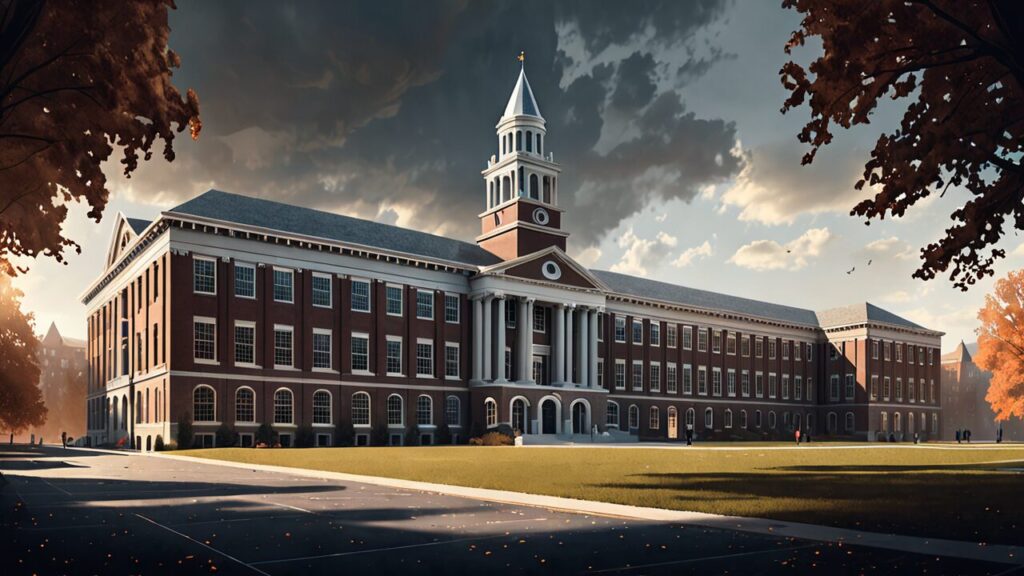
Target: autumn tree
[(79, 79), (1001, 345), (21, 402), (959, 66)]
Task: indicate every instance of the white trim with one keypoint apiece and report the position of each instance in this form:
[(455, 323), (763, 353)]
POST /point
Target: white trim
[(235, 265), (273, 284), (330, 290)]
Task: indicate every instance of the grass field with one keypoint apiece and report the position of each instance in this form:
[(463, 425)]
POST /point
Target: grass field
[(964, 493)]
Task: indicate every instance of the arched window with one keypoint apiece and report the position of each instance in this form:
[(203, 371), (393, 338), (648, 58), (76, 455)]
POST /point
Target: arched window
[(360, 409), (203, 404), (424, 411), (540, 150), (245, 405), (634, 417), (885, 422), (691, 418), (396, 415), (655, 419), (547, 189), (534, 187), (138, 406), (322, 407), (709, 418), (772, 420), (833, 423), (504, 149), (935, 423), (521, 183), (506, 188), (896, 422), (849, 422), (612, 415), (283, 406), (910, 422), (728, 418), (491, 412), (452, 409), (757, 419), (810, 422), (145, 411), (529, 141), (519, 415), (519, 140), (743, 419)]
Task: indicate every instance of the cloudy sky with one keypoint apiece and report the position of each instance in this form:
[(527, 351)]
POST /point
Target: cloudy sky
[(665, 117)]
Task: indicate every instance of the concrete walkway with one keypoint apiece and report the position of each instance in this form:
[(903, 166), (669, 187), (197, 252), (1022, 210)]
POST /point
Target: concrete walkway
[(928, 546)]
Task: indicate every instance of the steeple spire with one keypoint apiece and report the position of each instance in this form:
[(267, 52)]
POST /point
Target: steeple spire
[(522, 102)]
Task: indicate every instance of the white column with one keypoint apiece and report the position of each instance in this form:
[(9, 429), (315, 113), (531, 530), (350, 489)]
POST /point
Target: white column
[(593, 348), (499, 352), (558, 342), (487, 337), (528, 355), (569, 318), (584, 347), (523, 344), (478, 339)]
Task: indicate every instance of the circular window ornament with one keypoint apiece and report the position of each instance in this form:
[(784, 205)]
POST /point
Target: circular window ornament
[(551, 270), (541, 216)]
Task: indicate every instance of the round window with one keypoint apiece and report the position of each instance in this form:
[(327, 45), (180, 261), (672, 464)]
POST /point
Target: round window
[(551, 270), (541, 216)]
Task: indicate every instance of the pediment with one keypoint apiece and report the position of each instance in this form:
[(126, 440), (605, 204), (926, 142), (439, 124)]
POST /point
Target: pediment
[(122, 239), (552, 266)]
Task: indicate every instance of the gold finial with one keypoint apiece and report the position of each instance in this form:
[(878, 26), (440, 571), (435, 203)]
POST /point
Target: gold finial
[(521, 57)]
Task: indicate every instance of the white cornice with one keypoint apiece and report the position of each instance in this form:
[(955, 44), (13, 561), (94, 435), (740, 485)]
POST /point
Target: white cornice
[(521, 224)]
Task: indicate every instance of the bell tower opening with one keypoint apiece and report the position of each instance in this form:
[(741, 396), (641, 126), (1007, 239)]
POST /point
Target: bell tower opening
[(521, 214)]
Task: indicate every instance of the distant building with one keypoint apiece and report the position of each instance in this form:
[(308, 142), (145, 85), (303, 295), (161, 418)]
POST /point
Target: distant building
[(964, 387), (62, 380), (237, 310)]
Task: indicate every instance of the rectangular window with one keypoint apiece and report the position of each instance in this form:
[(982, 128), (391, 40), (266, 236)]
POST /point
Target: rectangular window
[(600, 326), (758, 346), (322, 348), (360, 295), (886, 387), (798, 387), (785, 386), (687, 337), (899, 352), (759, 384), (671, 382), (670, 335), (911, 395), (638, 375), (716, 342), (283, 346), (322, 290), (360, 350), (205, 331), (655, 333), (716, 381), (393, 355), (451, 360), (702, 381), (425, 358), (833, 351), (425, 304), (745, 346), (730, 382), (600, 373), (510, 314), (540, 319), (204, 275), (771, 349), (745, 384), (887, 347), (796, 350), (245, 280), (283, 285), (638, 332), (874, 349), (851, 387), (785, 349), (899, 389), (451, 308), (810, 352), (245, 343), (620, 374), (702, 340), (730, 344), (930, 358), (771, 385), (874, 387), (620, 329), (687, 379), (833, 388), (655, 385), (393, 299)]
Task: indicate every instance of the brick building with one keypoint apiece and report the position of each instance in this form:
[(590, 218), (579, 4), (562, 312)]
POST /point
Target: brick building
[(248, 311), (62, 381), (964, 387)]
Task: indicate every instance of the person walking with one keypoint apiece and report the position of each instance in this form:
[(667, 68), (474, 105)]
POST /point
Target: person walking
[(958, 436), (968, 434), (797, 434), (64, 439), (689, 435)]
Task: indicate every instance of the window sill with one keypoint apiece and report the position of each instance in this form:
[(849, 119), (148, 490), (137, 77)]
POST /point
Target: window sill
[(276, 301), (239, 424), (323, 306), (325, 370), (455, 378), (282, 425), (394, 375), (285, 368), (362, 373), (246, 365), (206, 362), (426, 376), (323, 425)]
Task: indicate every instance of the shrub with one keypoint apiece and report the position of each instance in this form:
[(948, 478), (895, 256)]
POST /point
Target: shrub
[(379, 436), (412, 435), (266, 435), (344, 435), (186, 435), (159, 444), (304, 437), (443, 435), (492, 439), (226, 435)]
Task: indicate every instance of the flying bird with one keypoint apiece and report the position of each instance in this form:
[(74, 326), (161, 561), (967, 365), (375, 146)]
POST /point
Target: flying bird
[(850, 271), (869, 262)]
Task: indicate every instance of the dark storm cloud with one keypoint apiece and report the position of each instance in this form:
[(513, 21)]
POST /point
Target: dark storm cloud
[(375, 107)]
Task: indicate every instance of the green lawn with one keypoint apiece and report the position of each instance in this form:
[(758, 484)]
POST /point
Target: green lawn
[(964, 493)]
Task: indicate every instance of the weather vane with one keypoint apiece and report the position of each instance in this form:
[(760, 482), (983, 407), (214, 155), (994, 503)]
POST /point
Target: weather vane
[(521, 57)]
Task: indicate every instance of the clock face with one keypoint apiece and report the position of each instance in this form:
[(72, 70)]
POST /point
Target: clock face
[(541, 216), (551, 270)]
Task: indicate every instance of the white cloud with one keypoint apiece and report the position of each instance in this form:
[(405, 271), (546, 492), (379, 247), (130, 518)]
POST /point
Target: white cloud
[(891, 247), (1018, 251), (794, 255), (692, 254), (661, 217), (898, 296), (640, 254), (588, 256), (774, 188)]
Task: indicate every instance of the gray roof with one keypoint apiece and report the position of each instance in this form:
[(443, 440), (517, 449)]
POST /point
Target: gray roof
[(522, 101), (271, 215), (138, 224), (861, 313), (644, 288)]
